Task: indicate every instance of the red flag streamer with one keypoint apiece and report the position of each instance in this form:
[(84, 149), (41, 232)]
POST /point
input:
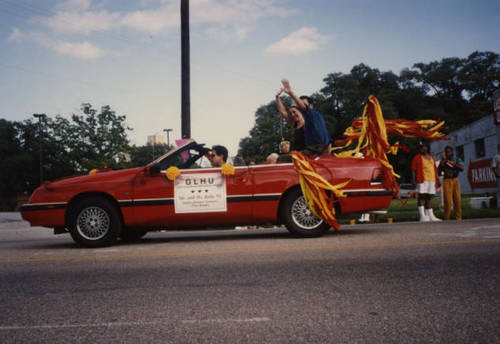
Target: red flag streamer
[(370, 131), (313, 188)]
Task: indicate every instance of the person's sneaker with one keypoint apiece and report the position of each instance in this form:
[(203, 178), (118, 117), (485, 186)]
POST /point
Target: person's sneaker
[(424, 218)]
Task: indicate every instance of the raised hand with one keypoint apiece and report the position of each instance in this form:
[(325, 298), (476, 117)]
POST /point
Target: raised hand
[(279, 92), (286, 86)]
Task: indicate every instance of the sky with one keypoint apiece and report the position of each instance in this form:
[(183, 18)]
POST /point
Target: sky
[(57, 54)]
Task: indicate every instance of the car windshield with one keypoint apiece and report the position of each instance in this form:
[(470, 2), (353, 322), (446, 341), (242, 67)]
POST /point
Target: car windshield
[(184, 158)]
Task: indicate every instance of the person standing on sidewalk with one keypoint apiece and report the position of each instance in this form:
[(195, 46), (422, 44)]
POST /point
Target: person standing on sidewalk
[(495, 165), (425, 177), (450, 167)]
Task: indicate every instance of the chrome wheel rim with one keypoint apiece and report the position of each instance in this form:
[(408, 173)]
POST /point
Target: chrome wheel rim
[(93, 223), (302, 216)]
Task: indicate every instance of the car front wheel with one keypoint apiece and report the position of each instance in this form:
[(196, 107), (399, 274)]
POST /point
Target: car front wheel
[(95, 222), (298, 219)]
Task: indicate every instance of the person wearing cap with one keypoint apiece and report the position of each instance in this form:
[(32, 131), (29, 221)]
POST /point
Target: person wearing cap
[(450, 167), (425, 177)]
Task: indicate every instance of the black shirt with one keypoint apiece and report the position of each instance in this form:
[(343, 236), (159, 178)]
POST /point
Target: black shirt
[(298, 139)]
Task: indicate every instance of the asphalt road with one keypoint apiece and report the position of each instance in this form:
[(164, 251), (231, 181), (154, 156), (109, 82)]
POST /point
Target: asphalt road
[(374, 283)]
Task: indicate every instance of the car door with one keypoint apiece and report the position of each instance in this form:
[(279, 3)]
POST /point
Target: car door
[(197, 197)]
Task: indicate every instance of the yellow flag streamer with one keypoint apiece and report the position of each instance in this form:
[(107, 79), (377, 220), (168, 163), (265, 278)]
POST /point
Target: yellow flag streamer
[(370, 131), (313, 188)]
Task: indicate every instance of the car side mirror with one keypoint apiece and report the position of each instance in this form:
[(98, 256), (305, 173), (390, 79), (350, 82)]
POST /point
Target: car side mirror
[(154, 169)]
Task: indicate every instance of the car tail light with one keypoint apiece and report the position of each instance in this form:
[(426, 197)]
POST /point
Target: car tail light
[(377, 176)]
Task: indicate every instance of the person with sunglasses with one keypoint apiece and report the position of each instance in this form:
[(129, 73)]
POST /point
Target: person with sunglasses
[(218, 156)]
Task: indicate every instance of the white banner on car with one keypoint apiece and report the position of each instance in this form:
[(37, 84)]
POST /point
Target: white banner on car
[(200, 193)]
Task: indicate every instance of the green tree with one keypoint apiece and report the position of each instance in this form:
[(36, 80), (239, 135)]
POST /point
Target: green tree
[(265, 135), (456, 90), (143, 155), (92, 139), (70, 146), (14, 162), (344, 95)]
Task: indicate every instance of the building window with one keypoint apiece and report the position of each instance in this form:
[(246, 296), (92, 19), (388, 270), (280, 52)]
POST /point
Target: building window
[(479, 146), (460, 152)]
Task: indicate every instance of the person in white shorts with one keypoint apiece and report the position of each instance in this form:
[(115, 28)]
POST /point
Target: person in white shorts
[(425, 177)]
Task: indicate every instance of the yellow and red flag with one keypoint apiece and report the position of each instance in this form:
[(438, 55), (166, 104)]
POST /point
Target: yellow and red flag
[(370, 134)]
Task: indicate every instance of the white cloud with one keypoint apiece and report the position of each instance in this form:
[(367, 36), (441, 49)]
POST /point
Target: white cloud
[(225, 19), (16, 35), (74, 5), (230, 11), (80, 22), (229, 19), (303, 41), (153, 21), (84, 50)]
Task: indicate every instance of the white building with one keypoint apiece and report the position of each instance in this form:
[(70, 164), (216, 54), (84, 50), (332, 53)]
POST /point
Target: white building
[(156, 139), (475, 144)]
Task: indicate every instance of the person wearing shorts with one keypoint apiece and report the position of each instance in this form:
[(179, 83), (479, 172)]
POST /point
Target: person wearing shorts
[(425, 177)]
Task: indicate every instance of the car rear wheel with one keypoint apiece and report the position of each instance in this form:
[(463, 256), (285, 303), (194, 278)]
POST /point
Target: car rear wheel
[(298, 219), (95, 222)]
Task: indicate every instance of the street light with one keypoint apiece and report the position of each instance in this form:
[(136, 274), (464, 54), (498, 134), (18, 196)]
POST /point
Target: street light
[(168, 136), (41, 117)]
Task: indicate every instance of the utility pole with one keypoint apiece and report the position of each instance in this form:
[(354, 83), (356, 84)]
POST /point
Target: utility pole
[(40, 116), (185, 72), (168, 136)]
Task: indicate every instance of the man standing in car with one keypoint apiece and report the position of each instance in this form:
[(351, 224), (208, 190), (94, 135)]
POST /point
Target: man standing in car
[(317, 138)]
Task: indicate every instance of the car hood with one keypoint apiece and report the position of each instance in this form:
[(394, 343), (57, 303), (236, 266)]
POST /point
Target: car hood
[(117, 175)]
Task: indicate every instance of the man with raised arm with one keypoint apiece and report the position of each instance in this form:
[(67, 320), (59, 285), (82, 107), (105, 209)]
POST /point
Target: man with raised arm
[(316, 136), (295, 120)]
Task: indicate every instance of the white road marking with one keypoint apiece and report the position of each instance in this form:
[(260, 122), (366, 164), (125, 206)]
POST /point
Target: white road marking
[(131, 323), (58, 326), (483, 232), (220, 321)]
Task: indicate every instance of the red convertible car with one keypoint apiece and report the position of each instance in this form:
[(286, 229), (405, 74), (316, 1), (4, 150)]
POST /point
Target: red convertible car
[(99, 208)]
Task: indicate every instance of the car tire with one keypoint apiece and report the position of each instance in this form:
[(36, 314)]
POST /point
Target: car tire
[(95, 222), (132, 234), (297, 217)]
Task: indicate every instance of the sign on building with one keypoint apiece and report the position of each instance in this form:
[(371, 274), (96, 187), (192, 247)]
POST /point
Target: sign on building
[(480, 175)]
